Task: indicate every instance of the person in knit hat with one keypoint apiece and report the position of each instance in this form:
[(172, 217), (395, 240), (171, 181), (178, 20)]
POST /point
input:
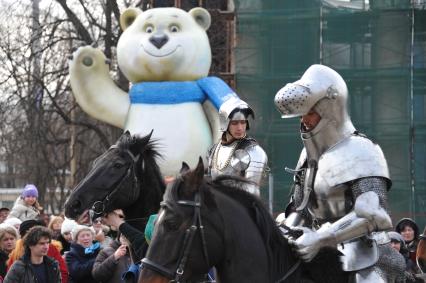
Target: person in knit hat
[(65, 238), (15, 222), (81, 257), (26, 207)]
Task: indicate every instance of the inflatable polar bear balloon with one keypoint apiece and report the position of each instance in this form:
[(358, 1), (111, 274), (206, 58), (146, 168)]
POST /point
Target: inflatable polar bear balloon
[(165, 54)]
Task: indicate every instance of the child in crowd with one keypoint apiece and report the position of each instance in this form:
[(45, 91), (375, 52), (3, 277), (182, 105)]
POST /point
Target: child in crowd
[(26, 206)]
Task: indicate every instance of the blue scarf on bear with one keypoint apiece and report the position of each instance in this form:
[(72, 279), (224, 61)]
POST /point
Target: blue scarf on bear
[(211, 88)]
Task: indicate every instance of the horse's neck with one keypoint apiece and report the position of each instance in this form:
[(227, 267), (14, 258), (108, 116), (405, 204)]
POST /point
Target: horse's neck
[(148, 203), (245, 253), (245, 250)]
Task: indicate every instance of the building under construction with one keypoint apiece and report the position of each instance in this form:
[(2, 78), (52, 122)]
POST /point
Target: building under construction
[(378, 46)]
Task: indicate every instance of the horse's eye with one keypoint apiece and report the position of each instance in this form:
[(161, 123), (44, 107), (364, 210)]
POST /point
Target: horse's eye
[(118, 165), (171, 224)]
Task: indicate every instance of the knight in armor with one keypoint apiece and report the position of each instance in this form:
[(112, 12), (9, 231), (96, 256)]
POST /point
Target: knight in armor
[(341, 181), (236, 153)]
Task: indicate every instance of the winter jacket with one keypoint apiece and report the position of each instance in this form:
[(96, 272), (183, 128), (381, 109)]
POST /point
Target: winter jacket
[(108, 270), (52, 253), (136, 239), (3, 263), (22, 271), (65, 244), (80, 264), (23, 212)]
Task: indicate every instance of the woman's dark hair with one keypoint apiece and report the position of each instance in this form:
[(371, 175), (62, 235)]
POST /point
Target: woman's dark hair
[(35, 234)]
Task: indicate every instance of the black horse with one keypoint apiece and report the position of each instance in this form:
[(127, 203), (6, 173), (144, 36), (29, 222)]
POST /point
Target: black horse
[(126, 176), (206, 223)]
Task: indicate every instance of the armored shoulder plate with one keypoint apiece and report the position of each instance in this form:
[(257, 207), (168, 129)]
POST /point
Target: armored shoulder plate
[(353, 158)]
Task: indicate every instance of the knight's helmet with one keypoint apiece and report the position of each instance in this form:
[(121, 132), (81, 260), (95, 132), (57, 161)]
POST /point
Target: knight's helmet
[(235, 110), (323, 90)]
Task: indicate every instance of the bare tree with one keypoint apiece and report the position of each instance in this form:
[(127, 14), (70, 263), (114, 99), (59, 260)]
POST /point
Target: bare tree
[(36, 101), (45, 138)]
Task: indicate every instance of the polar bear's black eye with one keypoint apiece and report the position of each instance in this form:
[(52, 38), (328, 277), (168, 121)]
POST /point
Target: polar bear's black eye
[(174, 28), (149, 29)]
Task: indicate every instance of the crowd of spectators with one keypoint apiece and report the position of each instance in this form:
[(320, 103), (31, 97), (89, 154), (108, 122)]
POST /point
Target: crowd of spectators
[(41, 249), (36, 248)]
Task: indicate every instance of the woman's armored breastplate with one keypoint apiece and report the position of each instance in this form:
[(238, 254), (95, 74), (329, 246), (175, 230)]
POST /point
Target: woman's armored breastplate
[(221, 160)]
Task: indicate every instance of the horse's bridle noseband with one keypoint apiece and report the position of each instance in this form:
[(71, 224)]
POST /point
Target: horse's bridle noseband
[(197, 224), (99, 206)]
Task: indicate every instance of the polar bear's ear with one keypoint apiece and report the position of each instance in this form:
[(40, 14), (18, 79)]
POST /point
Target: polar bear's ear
[(128, 17), (201, 16)]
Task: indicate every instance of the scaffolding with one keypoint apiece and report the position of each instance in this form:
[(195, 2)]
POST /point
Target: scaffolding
[(379, 47)]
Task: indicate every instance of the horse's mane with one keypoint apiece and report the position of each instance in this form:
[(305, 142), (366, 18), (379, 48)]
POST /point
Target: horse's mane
[(148, 152), (147, 171), (277, 246)]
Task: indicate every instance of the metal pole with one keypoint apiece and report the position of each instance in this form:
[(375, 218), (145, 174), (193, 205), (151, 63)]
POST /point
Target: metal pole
[(412, 132), (271, 192)]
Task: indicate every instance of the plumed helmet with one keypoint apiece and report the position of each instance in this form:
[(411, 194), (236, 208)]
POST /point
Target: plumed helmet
[(30, 191), (235, 110)]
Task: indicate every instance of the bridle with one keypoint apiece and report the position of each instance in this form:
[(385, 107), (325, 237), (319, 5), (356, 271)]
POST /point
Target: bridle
[(99, 206), (175, 275)]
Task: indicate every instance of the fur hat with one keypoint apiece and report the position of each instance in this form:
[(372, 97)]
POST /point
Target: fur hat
[(12, 221), (30, 191), (28, 224), (78, 228), (67, 226)]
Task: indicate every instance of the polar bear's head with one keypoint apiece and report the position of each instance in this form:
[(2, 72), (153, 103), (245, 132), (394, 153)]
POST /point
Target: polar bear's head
[(164, 44)]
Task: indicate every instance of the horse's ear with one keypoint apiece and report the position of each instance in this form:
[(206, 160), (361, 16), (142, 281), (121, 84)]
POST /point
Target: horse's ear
[(143, 141), (185, 168), (199, 173), (199, 170)]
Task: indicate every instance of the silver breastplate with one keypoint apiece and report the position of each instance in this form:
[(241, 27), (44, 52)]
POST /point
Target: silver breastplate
[(330, 203), (221, 160), (249, 162)]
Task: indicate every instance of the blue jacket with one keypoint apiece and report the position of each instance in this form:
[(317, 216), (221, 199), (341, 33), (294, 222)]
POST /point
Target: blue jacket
[(80, 264)]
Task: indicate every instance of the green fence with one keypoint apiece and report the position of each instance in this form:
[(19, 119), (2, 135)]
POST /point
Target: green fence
[(378, 47)]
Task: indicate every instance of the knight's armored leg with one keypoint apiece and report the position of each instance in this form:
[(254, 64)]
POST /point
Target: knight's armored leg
[(389, 268)]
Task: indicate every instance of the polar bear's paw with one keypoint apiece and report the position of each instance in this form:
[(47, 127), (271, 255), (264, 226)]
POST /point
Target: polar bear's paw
[(87, 57)]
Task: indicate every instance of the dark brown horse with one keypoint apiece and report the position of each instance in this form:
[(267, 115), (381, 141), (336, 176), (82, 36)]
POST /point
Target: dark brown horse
[(205, 223), (126, 176)]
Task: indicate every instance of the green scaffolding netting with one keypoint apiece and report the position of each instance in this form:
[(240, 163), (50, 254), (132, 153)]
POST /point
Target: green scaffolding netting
[(379, 47)]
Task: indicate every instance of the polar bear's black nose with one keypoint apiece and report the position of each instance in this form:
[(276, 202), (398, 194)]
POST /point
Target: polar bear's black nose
[(159, 40)]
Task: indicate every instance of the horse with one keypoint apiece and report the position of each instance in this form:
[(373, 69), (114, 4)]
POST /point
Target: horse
[(126, 176), (204, 223)]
